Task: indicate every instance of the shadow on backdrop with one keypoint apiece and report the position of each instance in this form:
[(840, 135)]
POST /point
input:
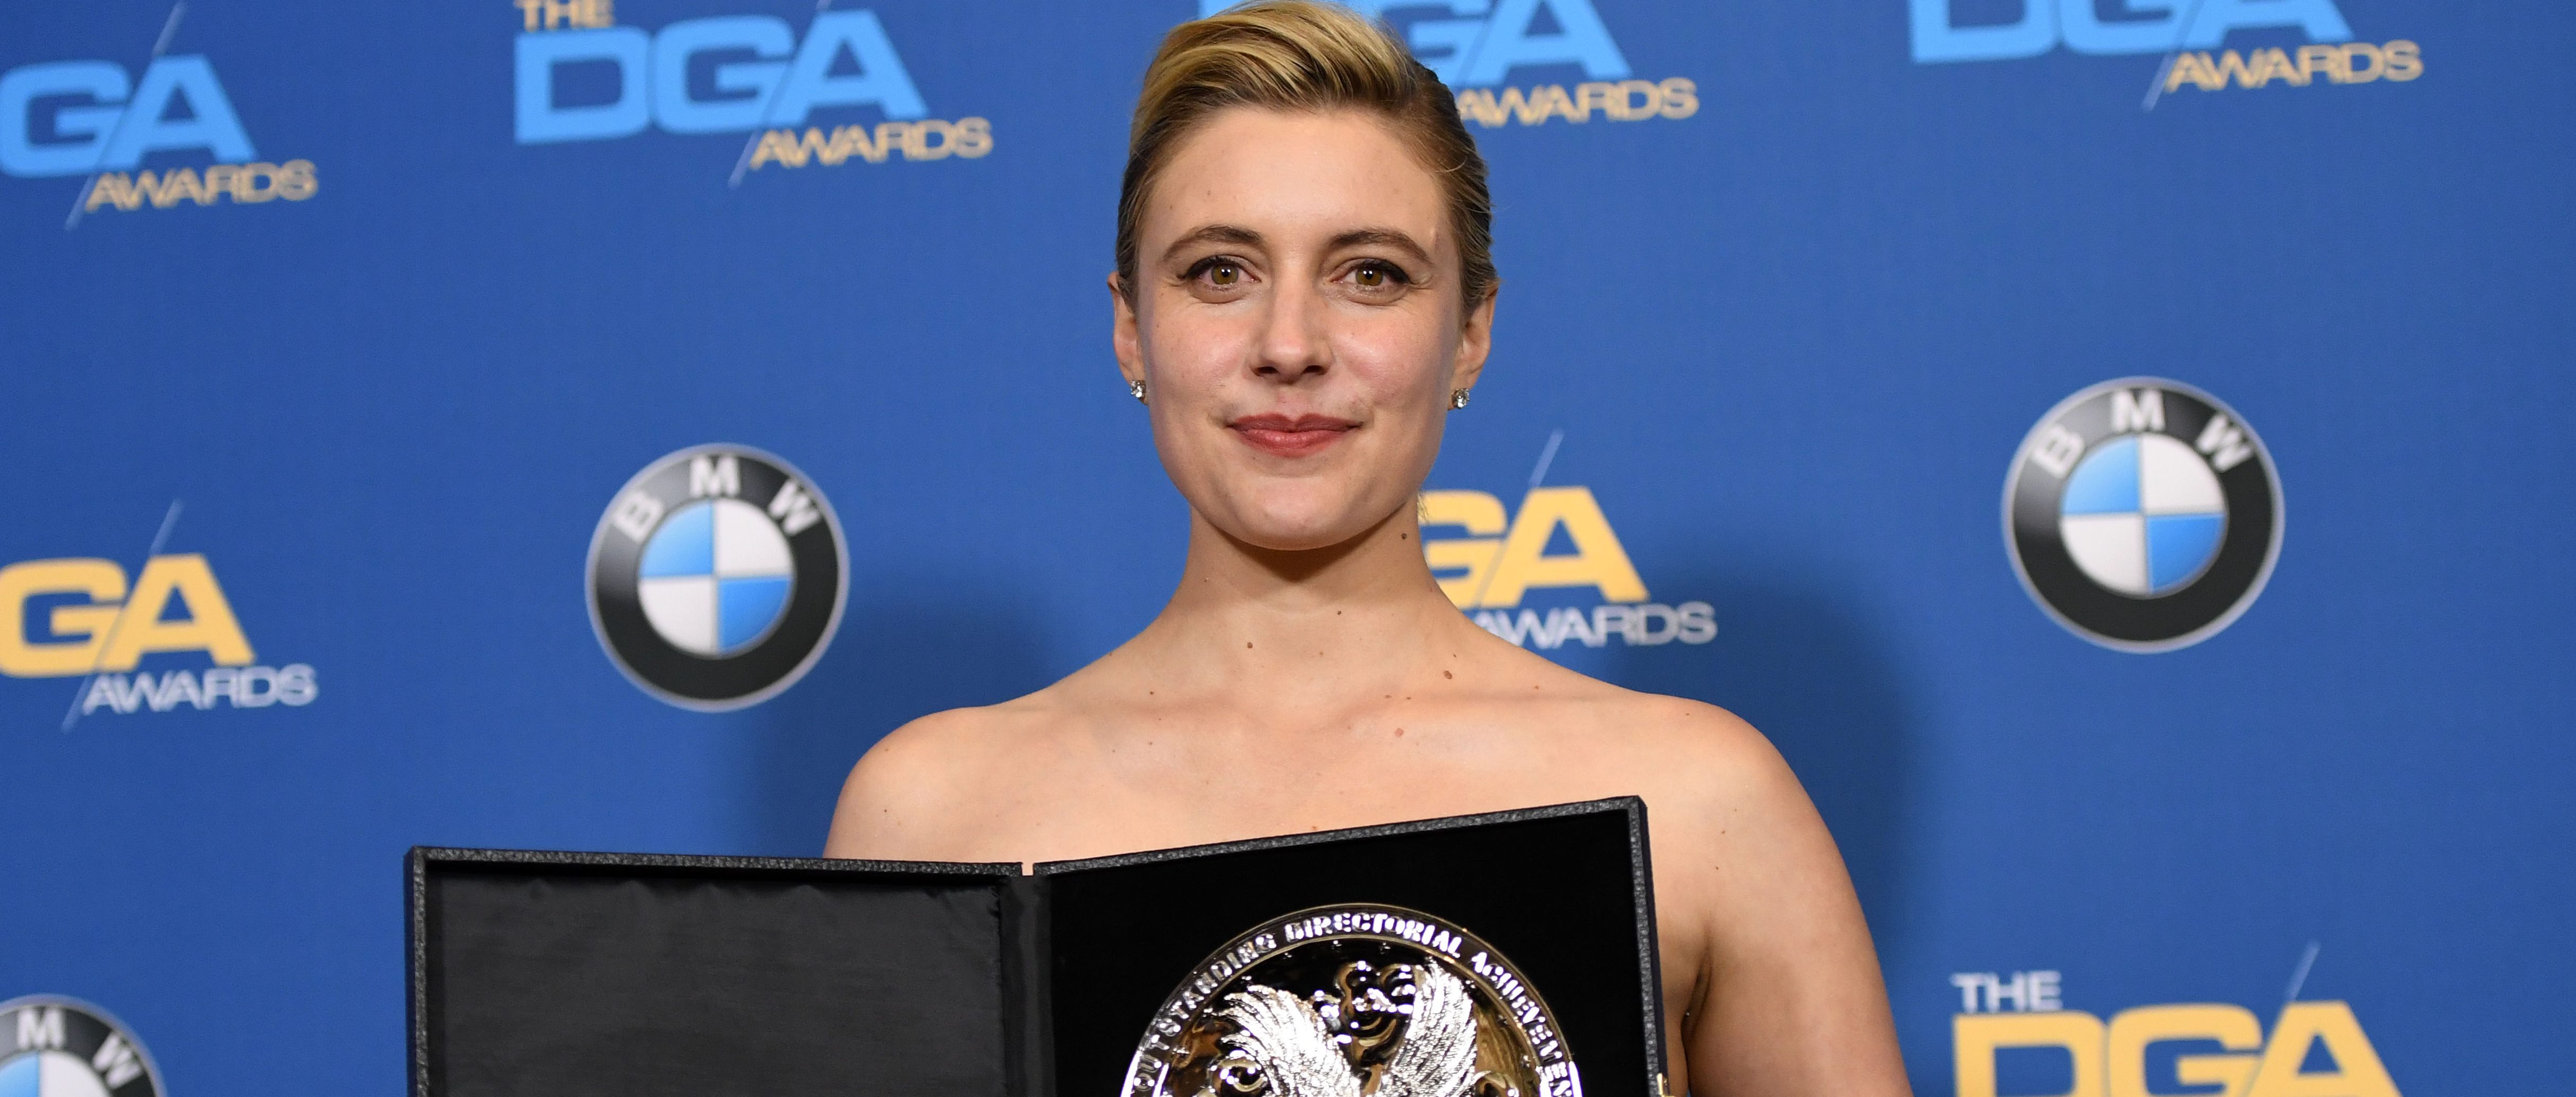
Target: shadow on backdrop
[(1795, 658), (905, 650)]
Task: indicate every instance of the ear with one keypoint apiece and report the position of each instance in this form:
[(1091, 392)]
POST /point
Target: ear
[(1475, 341), (1122, 332)]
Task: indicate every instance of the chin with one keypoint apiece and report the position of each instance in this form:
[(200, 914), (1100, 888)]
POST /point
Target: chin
[(1296, 522)]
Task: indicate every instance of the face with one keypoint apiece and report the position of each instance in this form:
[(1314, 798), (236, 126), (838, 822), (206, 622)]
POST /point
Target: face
[(1297, 324)]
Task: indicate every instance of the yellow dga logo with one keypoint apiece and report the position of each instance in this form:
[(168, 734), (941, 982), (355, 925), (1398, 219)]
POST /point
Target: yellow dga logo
[(2110, 1059), (1504, 556), (100, 625)]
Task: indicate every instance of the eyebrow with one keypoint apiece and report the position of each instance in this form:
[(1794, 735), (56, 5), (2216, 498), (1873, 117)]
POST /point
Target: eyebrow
[(1213, 234), (1384, 238)]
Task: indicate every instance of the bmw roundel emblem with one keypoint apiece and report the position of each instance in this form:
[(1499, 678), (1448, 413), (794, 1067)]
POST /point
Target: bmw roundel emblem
[(64, 1047), (716, 577), (2143, 514)]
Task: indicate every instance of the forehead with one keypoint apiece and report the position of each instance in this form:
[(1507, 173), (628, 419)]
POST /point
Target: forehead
[(1292, 175)]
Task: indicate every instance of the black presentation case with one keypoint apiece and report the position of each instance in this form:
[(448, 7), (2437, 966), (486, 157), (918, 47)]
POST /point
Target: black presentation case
[(536, 974)]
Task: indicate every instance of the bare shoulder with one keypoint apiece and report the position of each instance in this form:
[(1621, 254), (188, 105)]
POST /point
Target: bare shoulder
[(1697, 759), (1684, 756), (901, 800), (1691, 760)]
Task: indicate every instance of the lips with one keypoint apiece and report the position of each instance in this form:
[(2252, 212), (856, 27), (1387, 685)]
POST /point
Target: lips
[(1291, 435)]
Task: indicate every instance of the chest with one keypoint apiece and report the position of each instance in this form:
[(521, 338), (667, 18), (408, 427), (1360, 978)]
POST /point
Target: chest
[(1158, 793)]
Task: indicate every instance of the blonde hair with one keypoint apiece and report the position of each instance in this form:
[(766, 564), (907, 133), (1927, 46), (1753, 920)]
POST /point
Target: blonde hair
[(1305, 55)]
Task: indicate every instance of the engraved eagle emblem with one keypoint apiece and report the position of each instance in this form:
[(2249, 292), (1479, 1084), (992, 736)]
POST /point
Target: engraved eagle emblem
[(1282, 1046)]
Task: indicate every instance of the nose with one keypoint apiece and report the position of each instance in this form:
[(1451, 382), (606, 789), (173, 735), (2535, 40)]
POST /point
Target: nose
[(1294, 345)]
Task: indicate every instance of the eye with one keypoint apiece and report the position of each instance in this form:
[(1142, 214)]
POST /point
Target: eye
[(1379, 276), (1218, 272)]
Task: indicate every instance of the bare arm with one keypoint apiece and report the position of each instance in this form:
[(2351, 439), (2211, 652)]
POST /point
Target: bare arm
[(1789, 1001)]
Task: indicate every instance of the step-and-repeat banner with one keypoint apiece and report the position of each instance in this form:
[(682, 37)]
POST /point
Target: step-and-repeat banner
[(2116, 448)]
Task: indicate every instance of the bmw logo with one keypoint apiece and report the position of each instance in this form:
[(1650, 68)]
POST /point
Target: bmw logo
[(716, 577), (2143, 514), (62, 1047)]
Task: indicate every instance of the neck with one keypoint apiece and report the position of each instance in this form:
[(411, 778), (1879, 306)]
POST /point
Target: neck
[(1305, 631)]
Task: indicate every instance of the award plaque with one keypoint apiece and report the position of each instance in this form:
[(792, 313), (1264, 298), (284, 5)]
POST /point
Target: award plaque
[(1503, 955)]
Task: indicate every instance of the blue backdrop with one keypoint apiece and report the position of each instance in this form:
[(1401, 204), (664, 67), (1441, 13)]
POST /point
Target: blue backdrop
[(335, 330)]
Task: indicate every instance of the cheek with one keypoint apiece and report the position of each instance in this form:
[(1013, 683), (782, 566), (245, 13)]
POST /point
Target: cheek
[(1399, 361), (1190, 349)]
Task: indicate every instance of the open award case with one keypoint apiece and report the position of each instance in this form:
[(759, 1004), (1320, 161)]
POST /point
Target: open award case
[(1504, 955)]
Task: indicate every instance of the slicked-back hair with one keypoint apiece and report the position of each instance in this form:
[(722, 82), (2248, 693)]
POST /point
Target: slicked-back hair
[(1305, 55)]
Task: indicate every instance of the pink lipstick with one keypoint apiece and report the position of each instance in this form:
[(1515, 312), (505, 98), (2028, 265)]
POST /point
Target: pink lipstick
[(1291, 435)]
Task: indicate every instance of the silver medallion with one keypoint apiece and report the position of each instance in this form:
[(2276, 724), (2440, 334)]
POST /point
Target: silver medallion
[(1354, 1001)]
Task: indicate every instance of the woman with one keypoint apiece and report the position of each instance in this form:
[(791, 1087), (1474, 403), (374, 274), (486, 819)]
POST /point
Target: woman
[(1303, 293)]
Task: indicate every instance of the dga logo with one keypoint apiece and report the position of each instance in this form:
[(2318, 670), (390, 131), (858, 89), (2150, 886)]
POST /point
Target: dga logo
[(715, 577), (2184, 30), (581, 77), (1505, 557), (1474, 46), (63, 118), (69, 618), (59, 1047), (2315, 1049), (2143, 514)]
